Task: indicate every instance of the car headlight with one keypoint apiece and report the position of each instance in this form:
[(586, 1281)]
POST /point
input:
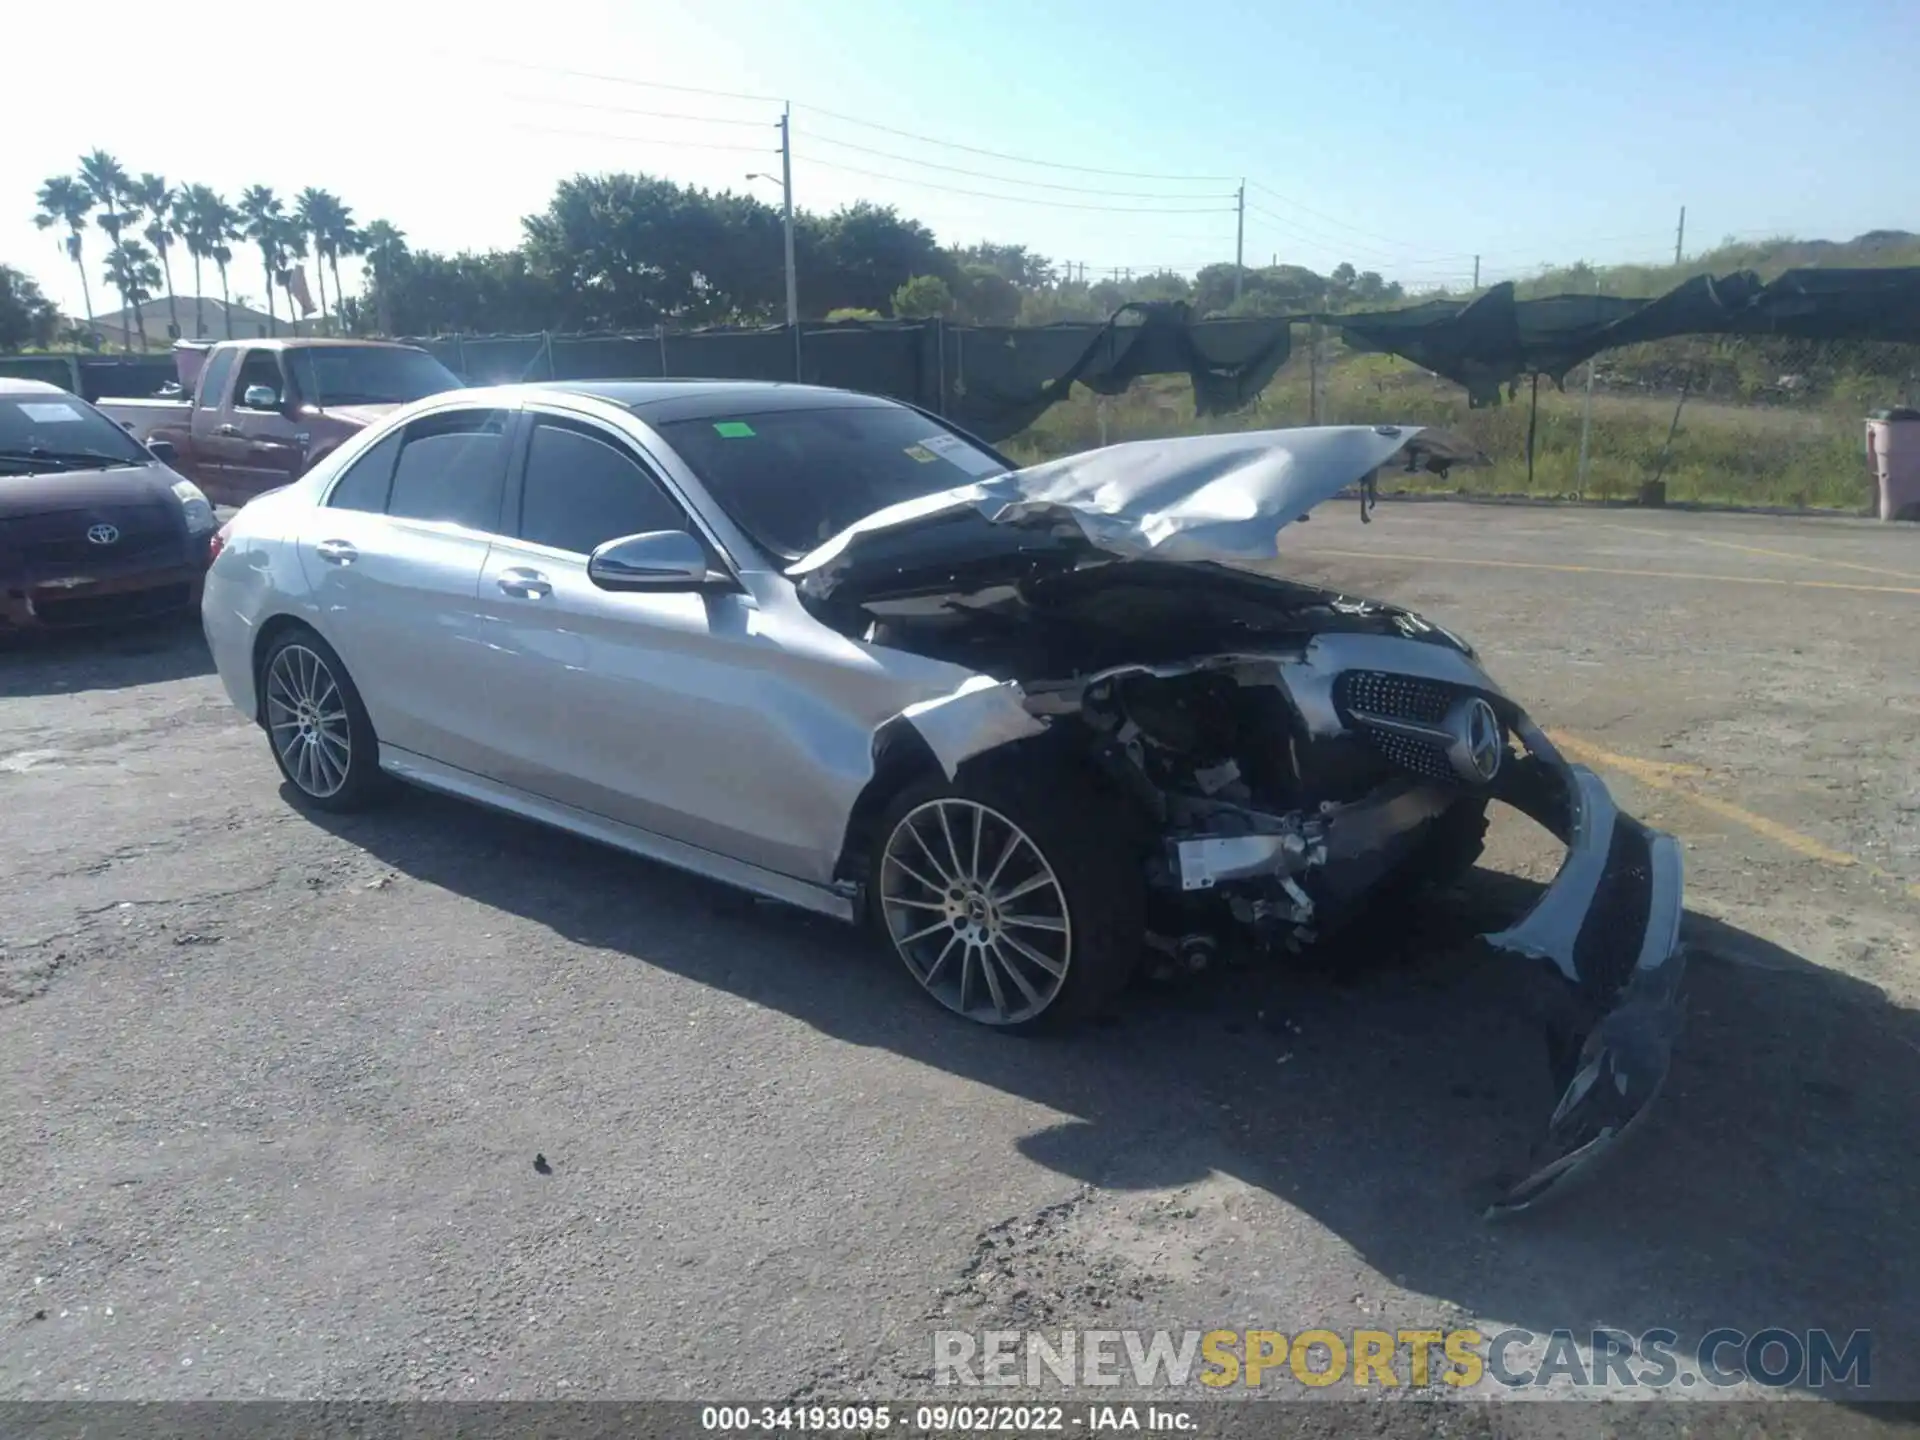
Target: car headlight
[(195, 506)]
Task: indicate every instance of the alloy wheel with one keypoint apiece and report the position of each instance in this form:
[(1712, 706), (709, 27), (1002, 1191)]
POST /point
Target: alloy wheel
[(975, 911), (307, 721)]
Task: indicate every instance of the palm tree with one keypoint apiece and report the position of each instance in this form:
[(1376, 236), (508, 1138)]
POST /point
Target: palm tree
[(153, 195), (189, 222), (66, 201), (289, 245), (264, 216), (313, 210), (343, 238), (130, 267), (385, 246), (105, 179), (222, 256)]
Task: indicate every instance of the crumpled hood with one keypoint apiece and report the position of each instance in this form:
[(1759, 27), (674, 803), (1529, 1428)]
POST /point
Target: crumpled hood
[(1191, 498)]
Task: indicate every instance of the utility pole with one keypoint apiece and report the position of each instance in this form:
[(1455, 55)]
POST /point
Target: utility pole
[(1476, 272), (786, 190), (1239, 236), (1680, 235)]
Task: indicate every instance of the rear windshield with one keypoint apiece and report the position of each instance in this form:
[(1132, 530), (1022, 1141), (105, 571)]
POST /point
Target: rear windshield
[(793, 478), (374, 375), (51, 431)]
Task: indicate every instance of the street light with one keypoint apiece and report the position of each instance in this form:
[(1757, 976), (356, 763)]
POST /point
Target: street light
[(786, 202)]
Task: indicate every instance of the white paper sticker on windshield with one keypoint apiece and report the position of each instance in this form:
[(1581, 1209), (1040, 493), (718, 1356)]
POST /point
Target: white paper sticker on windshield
[(54, 414), (954, 450)]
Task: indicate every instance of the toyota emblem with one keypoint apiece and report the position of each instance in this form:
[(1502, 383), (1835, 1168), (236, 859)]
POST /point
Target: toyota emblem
[(103, 534), (1477, 744)]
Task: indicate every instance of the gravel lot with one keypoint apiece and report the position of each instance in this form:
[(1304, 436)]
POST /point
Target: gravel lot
[(278, 1082)]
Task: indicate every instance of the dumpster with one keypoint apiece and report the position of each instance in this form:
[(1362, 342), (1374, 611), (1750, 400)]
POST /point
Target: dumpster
[(1893, 460)]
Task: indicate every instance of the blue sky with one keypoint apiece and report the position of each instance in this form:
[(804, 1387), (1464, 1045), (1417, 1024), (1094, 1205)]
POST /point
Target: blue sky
[(1402, 136)]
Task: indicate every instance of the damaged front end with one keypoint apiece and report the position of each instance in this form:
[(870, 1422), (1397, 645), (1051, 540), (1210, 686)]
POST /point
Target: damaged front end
[(1287, 786), (1294, 754)]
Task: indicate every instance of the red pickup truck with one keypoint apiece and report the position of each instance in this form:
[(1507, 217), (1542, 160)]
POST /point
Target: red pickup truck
[(262, 411)]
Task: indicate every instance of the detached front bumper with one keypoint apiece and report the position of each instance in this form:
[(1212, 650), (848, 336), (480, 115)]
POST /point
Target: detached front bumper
[(1604, 939)]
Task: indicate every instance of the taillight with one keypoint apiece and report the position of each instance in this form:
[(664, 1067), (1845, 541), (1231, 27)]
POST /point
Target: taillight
[(218, 542)]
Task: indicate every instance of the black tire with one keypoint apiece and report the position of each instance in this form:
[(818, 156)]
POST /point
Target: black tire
[(304, 745), (1450, 849), (1084, 837)]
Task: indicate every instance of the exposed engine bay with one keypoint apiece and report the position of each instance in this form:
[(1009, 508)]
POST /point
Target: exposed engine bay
[(1175, 681)]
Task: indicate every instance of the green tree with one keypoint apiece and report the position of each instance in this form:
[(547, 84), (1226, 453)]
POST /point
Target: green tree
[(204, 222), (106, 180), (158, 200), (340, 237), (289, 248), (834, 317), (385, 246), (27, 317), (131, 269), (1016, 263), (922, 298), (984, 295), (265, 219), (67, 201), (860, 255)]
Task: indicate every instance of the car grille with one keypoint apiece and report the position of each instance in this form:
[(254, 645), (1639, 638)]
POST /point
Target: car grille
[(1395, 697), (1422, 757), (126, 605), (57, 541), (1365, 695)]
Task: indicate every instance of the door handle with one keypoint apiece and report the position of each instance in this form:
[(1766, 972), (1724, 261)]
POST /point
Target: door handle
[(336, 552), (525, 584), (226, 430)]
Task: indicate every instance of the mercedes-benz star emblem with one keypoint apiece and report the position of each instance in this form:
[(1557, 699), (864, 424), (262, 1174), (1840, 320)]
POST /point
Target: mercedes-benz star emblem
[(103, 534), (1478, 744)]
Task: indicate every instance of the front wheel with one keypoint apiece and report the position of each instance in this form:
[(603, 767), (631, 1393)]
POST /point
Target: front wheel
[(1012, 896), (317, 727)]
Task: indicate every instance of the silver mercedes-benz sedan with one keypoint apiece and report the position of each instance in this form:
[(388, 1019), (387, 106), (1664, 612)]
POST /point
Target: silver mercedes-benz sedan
[(1036, 724)]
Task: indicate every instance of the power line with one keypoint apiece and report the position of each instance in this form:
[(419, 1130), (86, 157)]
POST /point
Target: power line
[(1003, 179), (650, 114), (1021, 199), (628, 80), (1003, 155), (645, 139)]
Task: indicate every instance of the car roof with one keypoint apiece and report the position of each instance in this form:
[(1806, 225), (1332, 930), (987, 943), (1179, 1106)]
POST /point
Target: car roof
[(12, 385), (315, 342), (662, 400)]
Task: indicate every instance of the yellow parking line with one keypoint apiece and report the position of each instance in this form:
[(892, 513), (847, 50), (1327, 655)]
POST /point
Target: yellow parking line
[(1665, 777), (1762, 550), (1601, 570)]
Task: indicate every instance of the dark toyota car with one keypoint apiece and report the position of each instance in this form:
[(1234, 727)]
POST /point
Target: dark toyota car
[(94, 528)]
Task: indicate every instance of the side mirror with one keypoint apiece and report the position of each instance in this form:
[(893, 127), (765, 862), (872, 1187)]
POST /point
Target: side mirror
[(163, 451), (260, 397), (656, 560)]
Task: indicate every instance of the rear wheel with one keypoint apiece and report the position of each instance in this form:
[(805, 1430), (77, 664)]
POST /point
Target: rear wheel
[(317, 726), (1012, 896)]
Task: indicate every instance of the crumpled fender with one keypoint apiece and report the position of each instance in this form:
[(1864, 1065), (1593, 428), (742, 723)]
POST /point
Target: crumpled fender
[(982, 715)]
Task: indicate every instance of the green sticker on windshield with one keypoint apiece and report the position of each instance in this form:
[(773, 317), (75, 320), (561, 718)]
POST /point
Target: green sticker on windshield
[(922, 454), (732, 429)]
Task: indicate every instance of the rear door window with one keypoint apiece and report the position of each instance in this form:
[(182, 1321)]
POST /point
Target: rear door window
[(583, 488), (368, 479), (452, 468)]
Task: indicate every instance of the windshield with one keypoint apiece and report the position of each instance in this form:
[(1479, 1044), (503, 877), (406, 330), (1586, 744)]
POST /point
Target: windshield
[(51, 431), (370, 375), (793, 478)]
